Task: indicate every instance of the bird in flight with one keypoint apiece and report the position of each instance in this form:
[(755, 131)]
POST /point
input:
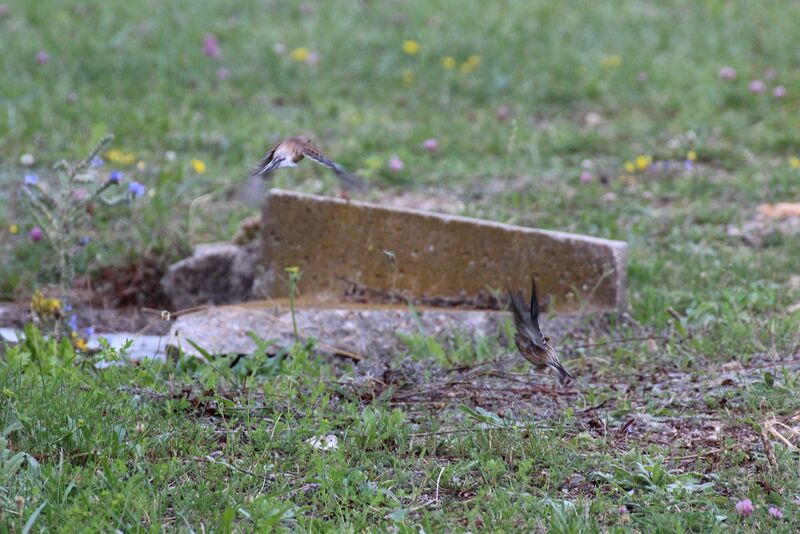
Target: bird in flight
[(290, 151), (530, 341)]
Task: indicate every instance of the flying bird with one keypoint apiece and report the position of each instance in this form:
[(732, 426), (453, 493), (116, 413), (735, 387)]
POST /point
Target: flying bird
[(290, 151), (530, 341)]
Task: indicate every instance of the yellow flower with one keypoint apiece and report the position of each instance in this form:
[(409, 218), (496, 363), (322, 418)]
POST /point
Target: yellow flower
[(14, 229), (293, 269), (81, 344), (611, 62), (300, 54), (470, 64), (141, 166), (629, 167), (691, 155), (410, 47), (642, 162), (448, 63), (198, 166), (408, 77), (114, 155), (373, 162), (794, 162)]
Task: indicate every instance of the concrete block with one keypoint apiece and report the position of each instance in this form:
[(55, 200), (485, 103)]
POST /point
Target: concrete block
[(334, 240)]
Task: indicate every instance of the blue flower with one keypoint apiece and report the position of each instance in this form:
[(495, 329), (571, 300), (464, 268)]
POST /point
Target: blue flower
[(73, 322), (115, 177), (88, 331), (85, 240), (96, 162), (135, 189), (688, 165), (68, 307), (31, 179)]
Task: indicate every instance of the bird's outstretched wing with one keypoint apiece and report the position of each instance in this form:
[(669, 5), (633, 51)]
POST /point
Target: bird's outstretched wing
[(347, 179), (526, 319), (267, 164)]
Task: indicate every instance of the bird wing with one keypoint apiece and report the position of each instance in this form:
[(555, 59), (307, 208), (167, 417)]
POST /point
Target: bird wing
[(266, 164), (347, 179), (524, 320)]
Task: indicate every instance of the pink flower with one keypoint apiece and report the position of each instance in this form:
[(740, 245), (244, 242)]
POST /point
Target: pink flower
[(756, 86), (727, 73), (5, 10), (42, 57), (223, 74), (779, 91), (744, 507), (72, 98), (586, 177), (36, 234), (775, 512), (313, 58), (431, 145), (503, 113), (211, 46), (396, 164)]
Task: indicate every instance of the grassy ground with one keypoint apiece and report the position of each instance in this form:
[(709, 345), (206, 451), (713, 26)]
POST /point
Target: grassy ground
[(664, 434)]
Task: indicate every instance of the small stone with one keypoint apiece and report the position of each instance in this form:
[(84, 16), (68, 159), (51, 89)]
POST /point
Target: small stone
[(217, 273)]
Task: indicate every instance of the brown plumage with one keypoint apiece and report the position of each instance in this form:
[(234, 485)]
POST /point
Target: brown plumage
[(290, 151), (532, 344)]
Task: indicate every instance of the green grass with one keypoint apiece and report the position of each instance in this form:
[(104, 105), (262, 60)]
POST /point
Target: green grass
[(131, 448)]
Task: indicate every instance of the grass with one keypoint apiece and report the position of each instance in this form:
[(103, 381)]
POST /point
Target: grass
[(189, 448)]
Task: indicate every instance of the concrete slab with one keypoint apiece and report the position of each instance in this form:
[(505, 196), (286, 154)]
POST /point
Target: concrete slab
[(334, 240)]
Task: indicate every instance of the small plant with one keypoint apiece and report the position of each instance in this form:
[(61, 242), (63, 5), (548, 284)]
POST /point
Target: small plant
[(61, 211), (294, 278)]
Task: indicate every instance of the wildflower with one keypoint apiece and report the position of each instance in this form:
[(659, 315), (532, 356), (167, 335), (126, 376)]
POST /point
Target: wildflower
[(470, 64), (744, 507), (211, 46), (410, 47), (629, 167), (13, 229), (73, 323), (85, 240), (198, 166), (502, 113), (448, 63), (431, 145), (611, 62), (72, 98), (5, 10), (642, 162), (36, 234), (373, 162), (293, 270), (223, 74), (691, 155), (279, 49), (779, 92), (688, 165), (170, 156), (135, 189), (42, 57), (396, 164), (313, 58), (408, 77), (727, 73), (756, 87), (300, 54), (794, 162), (586, 177), (141, 166), (26, 160), (96, 162), (31, 179), (115, 177), (775, 512), (43, 305), (81, 344)]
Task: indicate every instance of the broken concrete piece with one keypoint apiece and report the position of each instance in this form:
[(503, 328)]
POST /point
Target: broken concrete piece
[(334, 241), (366, 331), (217, 273)]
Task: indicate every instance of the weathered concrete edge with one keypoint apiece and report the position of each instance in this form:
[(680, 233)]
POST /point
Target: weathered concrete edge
[(556, 235)]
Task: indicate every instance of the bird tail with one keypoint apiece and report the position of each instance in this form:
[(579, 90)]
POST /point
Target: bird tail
[(266, 166), (347, 180), (560, 371)]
